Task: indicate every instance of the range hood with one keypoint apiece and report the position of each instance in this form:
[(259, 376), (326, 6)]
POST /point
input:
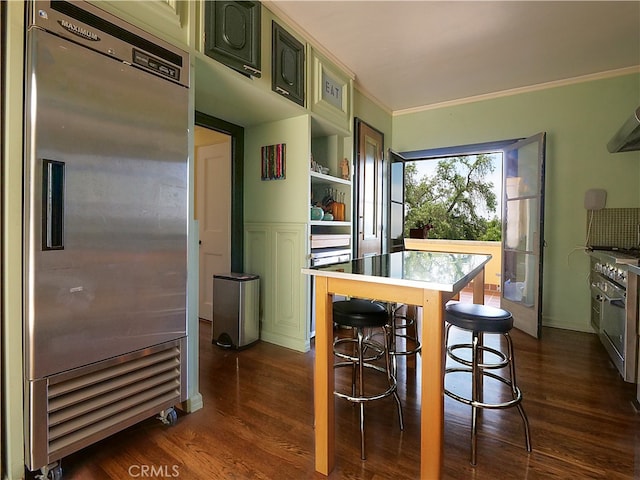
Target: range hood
[(628, 137)]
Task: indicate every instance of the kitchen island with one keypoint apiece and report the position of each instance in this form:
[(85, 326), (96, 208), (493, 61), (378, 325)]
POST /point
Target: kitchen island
[(425, 279)]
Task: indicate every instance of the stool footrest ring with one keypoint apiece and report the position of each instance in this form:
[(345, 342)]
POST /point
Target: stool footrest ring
[(366, 398), (416, 349), (370, 366), (502, 363), (378, 349), (510, 403)]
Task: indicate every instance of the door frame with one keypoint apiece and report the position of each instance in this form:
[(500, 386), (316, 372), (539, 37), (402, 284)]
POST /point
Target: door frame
[(396, 198), (236, 132)]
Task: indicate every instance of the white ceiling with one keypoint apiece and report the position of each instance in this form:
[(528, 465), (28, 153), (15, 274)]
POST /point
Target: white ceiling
[(410, 54)]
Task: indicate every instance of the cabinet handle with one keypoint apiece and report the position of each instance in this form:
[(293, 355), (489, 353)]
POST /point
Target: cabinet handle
[(252, 70), (282, 91)]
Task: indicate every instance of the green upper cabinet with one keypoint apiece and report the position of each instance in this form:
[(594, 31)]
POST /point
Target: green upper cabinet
[(287, 65), (232, 34), (167, 19)]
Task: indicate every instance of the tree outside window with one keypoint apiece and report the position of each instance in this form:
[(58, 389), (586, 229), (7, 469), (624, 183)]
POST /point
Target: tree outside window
[(454, 198)]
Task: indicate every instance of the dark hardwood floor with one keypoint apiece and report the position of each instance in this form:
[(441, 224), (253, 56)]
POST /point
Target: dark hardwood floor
[(257, 423)]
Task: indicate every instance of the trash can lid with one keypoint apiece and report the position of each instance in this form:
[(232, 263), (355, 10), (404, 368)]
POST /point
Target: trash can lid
[(238, 277)]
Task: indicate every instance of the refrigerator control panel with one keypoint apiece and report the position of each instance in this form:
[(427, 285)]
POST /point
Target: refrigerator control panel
[(150, 63)]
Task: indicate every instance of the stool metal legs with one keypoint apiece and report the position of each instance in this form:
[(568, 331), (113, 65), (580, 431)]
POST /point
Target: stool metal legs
[(478, 369), (361, 389), (359, 362), (516, 391)]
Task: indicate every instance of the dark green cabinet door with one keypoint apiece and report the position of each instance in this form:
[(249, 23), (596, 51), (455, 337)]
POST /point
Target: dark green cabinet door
[(232, 34), (287, 66)]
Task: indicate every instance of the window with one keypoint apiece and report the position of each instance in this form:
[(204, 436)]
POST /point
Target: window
[(455, 198)]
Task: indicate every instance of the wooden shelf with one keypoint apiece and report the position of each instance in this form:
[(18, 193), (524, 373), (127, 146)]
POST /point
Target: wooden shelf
[(329, 223), (329, 178)]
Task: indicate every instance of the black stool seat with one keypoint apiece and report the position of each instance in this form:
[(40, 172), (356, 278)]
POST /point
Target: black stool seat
[(479, 318), (359, 313)]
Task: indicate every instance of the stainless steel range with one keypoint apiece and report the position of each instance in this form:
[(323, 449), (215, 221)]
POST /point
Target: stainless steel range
[(612, 316)]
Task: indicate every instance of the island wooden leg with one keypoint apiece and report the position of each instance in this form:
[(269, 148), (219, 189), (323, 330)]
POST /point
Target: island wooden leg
[(324, 380), (478, 288), (432, 412)]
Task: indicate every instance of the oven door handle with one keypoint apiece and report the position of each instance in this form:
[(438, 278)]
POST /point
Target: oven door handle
[(603, 297), (617, 303)]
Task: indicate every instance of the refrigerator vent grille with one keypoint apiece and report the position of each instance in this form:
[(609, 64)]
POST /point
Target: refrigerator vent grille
[(92, 404)]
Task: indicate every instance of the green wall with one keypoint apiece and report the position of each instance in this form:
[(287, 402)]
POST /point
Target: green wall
[(367, 110), (579, 120), (285, 200)]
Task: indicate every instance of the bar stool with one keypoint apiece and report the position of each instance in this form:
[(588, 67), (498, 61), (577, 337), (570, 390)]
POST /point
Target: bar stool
[(360, 315), (483, 319)]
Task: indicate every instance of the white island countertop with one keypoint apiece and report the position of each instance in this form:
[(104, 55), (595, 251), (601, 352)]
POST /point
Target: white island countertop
[(447, 272)]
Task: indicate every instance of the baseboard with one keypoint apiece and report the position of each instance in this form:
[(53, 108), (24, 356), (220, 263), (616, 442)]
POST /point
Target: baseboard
[(287, 342), (576, 327), (193, 403)]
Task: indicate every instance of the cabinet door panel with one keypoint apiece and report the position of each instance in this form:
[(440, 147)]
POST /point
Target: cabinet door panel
[(232, 32), (287, 65), (329, 91)]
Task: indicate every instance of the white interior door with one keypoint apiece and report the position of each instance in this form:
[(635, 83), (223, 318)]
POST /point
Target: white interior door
[(213, 211), (522, 235)]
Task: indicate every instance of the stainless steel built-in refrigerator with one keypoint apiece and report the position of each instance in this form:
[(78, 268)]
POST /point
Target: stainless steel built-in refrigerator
[(106, 151)]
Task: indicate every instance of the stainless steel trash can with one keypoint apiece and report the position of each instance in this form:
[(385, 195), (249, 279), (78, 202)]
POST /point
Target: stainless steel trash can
[(236, 318)]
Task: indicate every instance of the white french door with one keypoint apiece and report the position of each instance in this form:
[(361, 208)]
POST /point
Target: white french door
[(522, 235)]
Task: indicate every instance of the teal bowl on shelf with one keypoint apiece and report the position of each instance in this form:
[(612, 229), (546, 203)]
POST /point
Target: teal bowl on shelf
[(327, 217), (316, 213)]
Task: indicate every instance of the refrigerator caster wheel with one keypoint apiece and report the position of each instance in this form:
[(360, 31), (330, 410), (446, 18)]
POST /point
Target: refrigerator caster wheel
[(52, 471), (55, 474), (168, 416)]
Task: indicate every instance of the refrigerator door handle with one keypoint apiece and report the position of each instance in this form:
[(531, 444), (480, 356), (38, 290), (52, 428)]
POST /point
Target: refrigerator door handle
[(53, 205)]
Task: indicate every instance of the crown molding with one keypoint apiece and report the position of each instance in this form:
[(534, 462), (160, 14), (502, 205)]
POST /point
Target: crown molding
[(366, 93), (516, 91)]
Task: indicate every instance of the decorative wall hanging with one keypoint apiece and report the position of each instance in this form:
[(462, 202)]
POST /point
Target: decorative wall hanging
[(273, 161)]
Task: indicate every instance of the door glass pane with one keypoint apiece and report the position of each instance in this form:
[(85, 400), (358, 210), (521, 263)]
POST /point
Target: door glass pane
[(397, 182), (520, 278), (521, 220), (521, 171), (369, 192), (397, 222)]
